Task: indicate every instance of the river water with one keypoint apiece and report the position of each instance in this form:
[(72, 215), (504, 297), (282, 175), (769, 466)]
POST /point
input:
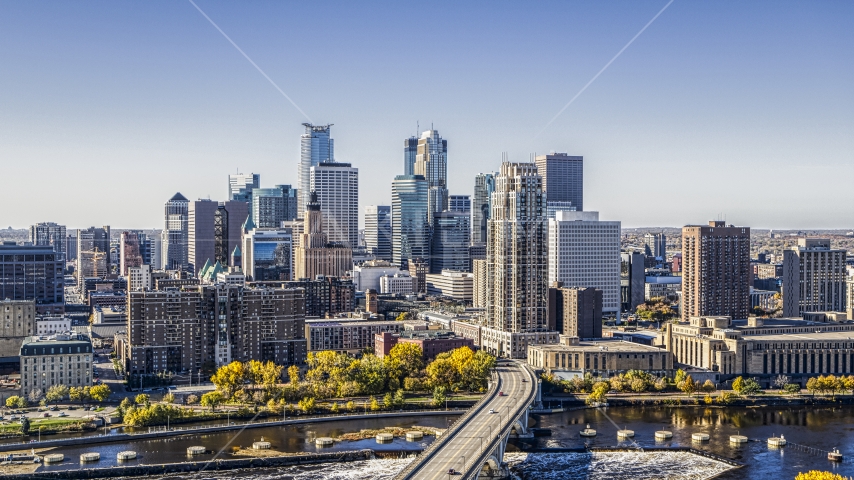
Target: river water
[(817, 427)]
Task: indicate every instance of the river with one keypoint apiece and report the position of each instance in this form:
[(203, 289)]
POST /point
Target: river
[(818, 427)]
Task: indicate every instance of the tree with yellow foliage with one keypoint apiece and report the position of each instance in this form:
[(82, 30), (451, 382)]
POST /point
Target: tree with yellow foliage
[(819, 475)]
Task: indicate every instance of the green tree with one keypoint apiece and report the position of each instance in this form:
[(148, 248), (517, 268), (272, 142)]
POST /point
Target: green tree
[(25, 425), (751, 387), (143, 399), (439, 396), (100, 393), (212, 400), (370, 374), (388, 401), (399, 398), (680, 376), (56, 393), (791, 388)]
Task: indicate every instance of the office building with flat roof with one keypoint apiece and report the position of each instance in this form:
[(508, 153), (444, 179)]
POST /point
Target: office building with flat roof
[(563, 178), (31, 272), (585, 252), (814, 278)]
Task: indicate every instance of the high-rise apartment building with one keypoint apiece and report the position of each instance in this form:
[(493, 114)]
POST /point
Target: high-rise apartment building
[(337, 188), (431, 162), (201, 328), (175, 235), (33, 273), (326, 295), (271, 206), (563, 178), (814, 278), (459, 203), (409, 225), (214, 229), (93, 254), (517, 251), (716, 272), (267, 254), (450, 242), (241, 186), (655, 245), (585, 252), (378, 231), (50, 234), (484, 185), (316, 147), (517, 262), (315, 254)]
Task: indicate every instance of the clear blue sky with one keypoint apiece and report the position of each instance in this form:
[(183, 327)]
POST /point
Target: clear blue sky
[(743, 109)]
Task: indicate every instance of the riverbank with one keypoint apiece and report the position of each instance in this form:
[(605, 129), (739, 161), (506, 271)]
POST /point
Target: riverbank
[(183, 432), (573, 402), (186, 467)]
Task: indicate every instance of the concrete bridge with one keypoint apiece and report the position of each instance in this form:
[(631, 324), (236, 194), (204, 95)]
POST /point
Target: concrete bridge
[(474, 447)]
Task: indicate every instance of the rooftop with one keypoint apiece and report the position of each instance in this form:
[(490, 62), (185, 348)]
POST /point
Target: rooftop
[(597, 346)]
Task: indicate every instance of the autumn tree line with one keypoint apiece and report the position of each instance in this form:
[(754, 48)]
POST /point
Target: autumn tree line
[(333, 374)]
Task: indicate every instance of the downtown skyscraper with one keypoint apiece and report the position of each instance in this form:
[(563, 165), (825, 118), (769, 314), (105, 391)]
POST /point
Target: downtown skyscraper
[(175, 236), (240, 186), (563, 180), (378, 231), (484, 185), (431, 162), (410, 231), (337, 188), (316, 146)]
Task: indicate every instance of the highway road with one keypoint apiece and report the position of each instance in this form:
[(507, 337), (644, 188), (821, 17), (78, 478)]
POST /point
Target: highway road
[(461, 450)]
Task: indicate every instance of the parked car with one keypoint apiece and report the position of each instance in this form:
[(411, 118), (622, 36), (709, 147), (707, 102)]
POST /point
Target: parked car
[(62, 414), (45, 414)]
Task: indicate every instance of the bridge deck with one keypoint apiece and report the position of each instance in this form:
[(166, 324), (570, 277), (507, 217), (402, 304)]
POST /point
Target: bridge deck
[(464, 449)]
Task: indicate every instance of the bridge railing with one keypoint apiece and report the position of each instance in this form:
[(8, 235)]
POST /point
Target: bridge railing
[(477, 464), (427, 453)]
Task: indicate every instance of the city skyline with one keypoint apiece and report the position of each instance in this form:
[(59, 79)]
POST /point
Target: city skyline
[(93, 96)]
